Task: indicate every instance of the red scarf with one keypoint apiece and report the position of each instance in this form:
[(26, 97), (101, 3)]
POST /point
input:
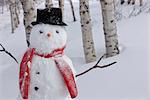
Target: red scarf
[(62, 65)]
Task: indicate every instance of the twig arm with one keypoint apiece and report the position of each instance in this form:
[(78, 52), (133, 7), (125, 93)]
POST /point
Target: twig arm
[(96, 66), (85, 72), (104, 66), (4, 50)]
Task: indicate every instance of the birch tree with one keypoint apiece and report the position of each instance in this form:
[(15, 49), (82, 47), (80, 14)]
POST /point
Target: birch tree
[(17, 11), (61, 5), (86, 28), (109, 26), (3, 4), (29, 16), (72, 9), (141, 2), (14, 15), (48, 3)]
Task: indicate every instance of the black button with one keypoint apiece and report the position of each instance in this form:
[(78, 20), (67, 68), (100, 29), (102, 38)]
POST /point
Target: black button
[(36, 88), (37, 72)]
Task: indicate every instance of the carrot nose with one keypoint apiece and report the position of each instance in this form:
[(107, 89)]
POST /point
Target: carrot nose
[(48, 34)]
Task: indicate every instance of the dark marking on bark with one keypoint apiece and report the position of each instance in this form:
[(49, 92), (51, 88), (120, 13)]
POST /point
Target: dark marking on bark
[(106, 3), (112, 21), (122, 2), (87, 22), (94, 55), (109, 36), (83, 12), (32, 8), (28, 43), (88, 47)]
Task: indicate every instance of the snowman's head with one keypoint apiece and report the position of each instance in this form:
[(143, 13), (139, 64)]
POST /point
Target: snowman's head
[(45, 38)]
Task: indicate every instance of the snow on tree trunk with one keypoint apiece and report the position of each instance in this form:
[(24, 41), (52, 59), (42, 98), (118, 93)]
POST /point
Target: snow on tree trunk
[(72, 9), (29, 16), (109, 26), (48, 3), (86, 28), (14, 15), (61, 5)]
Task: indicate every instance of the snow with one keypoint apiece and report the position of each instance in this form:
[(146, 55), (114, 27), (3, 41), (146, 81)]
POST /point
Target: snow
[(49, 81), (46, 44), (127, 80), (124, 12)]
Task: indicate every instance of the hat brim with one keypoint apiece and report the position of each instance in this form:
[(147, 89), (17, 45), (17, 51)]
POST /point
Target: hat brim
[(60, 24)]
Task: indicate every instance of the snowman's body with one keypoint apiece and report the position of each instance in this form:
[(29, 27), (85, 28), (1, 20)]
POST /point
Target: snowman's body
[(46, 81)]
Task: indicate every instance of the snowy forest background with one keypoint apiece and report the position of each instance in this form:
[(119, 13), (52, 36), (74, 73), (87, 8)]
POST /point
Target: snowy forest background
[(128, 79)]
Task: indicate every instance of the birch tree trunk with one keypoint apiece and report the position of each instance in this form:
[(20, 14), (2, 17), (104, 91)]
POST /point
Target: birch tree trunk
[(48, 3), (14, 15), (141, 2), (109, 26), (29, 16), (86, 28), (18, 6), (17, 13), (3, 5), (61, 5), (72, 9)]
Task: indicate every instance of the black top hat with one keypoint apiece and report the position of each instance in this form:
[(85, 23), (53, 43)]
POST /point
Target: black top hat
[(51, 16)]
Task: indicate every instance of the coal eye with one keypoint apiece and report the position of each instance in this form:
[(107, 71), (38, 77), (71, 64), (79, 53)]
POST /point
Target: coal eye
[(57, 31), (41, 32)]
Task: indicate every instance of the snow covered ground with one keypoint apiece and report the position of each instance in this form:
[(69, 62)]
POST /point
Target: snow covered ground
[(127, 80)]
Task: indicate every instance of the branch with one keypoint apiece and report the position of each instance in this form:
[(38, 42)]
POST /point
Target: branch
[(96, 66), (4, 50)]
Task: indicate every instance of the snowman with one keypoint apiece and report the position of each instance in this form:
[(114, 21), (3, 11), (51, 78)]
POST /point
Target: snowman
[(46, 73)]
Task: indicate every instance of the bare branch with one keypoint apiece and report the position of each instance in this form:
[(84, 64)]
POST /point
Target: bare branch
[(106, 65), (100, 60), (96, 66), (4, 50)]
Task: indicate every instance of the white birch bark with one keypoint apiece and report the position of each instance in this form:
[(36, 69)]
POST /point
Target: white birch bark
[(72, 9), (109, 26), (17, 14), (48, 3), (61, 5), (86, 28), (18, 6), (14, 15), (3, 6), (29, 16), (131, 1), (141, 2)]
